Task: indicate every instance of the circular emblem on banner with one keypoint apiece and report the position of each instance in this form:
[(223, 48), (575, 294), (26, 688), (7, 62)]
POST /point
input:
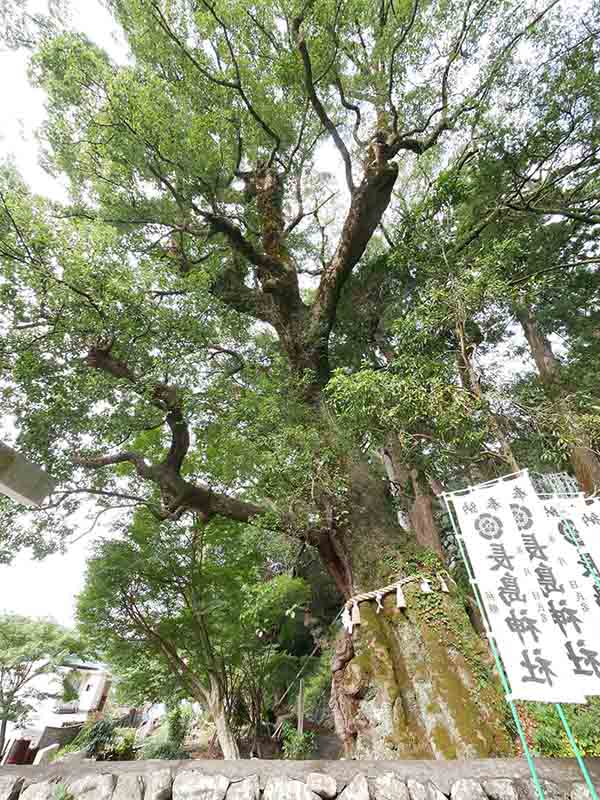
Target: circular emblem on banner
[(489, 526), (522, 516)]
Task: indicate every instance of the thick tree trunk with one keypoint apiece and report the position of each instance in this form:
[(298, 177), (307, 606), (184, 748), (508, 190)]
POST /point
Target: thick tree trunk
[(227, 741), (470, 382), (584, 461), (421, 516), (415, 515), (586, 466), (548, 366), (414, 682)]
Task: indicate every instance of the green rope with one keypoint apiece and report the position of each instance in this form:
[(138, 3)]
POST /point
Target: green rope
[(578, 756), (584, 771), (499, 667)]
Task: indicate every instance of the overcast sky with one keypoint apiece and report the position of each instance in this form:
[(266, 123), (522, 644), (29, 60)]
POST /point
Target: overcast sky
[(48, 587)]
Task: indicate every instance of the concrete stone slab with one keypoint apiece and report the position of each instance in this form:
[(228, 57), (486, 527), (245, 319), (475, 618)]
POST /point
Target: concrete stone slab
[(288, 789), (389, 787), (246, 789), (195, 785), (322, 784), (357, 789)]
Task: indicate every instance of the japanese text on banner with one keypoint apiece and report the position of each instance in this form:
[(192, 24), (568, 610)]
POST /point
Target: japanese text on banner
[(522, 585)]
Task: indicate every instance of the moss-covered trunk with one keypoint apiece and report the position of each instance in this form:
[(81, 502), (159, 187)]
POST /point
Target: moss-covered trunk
[(414, 682)]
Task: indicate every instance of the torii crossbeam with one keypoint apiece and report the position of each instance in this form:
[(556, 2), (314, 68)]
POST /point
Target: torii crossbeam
[(21, 480)]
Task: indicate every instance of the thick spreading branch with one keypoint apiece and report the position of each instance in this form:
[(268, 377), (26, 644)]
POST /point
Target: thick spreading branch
[(178, 494), (369, 202)]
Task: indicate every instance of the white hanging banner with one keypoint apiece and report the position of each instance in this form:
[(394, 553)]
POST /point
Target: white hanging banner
[(582, 516), (590, 531), (517, 578), (551, 531)]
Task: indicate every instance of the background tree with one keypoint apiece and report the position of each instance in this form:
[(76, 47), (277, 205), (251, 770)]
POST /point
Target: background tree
[(31, 652), (176, 610), (172, 332)]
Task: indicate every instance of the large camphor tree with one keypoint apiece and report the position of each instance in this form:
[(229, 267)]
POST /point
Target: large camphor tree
[(236, 186)]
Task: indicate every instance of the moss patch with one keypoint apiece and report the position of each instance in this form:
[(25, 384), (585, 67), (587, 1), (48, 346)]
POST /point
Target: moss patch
[(431, 671)]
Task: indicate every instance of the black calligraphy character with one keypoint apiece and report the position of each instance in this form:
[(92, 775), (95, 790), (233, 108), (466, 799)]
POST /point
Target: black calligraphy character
[(582, 602), (591, 519), (589, 566), (493, 504), (547, 581), (470, 508), (541, 667), (586, 657), (551, 511), (522, 516), (509, 592), (522, 625), (519, 493), (564, 616), (500, 557), (488, 526), (534, 549)]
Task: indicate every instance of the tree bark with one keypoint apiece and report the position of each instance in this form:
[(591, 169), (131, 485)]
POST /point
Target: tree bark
[(414, 517), (414, 682), (584, 460), (470, 382), (421, 515), (548, 366), (227, 741)]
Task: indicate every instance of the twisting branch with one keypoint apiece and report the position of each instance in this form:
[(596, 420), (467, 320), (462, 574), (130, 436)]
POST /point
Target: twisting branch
[(143, 469), (178, 494), (350, 107), (163, 397), (314, 99), (406, 140)]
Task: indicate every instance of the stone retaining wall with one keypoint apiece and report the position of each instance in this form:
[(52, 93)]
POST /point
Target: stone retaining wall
[(486, 779)]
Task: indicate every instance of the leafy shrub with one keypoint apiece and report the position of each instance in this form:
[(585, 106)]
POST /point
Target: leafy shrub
[(104, 741), (168, 742), (69, 690), (318, 689), (166, 750), (297, 745), (121, 746), (550, 738), (62, 793), (179, 720)]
